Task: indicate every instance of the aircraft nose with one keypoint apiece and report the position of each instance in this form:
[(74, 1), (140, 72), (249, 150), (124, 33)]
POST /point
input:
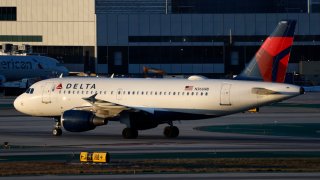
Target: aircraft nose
[(18, 104)]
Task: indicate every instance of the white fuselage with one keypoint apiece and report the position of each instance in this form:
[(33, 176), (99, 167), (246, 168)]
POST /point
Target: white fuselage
[(198, 97)]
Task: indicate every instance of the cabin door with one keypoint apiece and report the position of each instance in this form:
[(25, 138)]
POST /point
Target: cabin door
[(225, 94), (46, 92)]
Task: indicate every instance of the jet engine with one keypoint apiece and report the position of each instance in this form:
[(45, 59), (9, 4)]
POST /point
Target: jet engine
[(80, 121)]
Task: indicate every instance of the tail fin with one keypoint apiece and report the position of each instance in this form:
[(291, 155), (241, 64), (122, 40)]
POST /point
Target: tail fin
[(271, 61)]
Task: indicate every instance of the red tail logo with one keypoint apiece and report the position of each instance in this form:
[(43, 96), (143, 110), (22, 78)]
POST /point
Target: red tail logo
[(273, 58), (271, 61), (59, 86)]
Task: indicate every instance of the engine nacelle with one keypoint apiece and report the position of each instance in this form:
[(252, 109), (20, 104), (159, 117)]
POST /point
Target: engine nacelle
[(79, 121), (142, 121)]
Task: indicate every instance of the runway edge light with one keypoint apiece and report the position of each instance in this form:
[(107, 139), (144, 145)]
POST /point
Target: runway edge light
[(95, 157)]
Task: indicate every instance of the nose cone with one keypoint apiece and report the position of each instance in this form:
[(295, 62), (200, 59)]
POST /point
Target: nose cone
[(18, 104)]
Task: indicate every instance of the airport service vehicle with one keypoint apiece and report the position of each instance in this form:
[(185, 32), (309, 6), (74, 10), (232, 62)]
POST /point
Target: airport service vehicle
[(20, 71), (81, 103)]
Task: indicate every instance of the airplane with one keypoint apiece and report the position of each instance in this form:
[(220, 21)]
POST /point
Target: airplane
[(14, 68), (18, 67), (81, 104)]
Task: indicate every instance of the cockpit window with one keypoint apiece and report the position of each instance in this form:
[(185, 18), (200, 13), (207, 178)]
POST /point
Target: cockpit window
[(29, 91)]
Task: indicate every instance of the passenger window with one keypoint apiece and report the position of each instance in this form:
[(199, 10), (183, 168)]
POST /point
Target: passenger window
[(164, 93), (174, 93), (147, 93), (28, 90), (196, 93), (31, 91), (155, 93), (201, 94), (182, 93), (169, 93), (178, 93), (187, 94), (132, 92), (142, 93), (151, 93), (160, 93), (192, 94), (206, 94), (128, 92), (111, 92)]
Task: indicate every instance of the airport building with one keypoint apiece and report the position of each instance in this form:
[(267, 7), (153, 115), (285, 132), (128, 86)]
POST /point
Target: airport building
[(210, 37)]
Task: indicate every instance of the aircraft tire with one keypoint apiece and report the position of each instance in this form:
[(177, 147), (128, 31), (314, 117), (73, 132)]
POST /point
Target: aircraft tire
[(57, 132), (171, 132), (129, 133)]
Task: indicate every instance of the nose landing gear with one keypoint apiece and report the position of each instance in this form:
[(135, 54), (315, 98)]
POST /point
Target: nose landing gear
[(57, 131)]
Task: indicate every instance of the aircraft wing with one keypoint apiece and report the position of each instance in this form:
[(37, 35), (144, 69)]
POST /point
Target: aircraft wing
[(102, 108)]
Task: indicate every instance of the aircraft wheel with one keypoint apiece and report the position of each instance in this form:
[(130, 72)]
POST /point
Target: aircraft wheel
[(57, 132), (171, 132), (129, 133)]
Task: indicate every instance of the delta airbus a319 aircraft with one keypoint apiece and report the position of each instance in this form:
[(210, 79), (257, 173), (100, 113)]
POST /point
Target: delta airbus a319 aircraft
[(81, 103)]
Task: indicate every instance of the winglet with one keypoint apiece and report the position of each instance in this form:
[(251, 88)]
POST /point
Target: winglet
[(271, 61)]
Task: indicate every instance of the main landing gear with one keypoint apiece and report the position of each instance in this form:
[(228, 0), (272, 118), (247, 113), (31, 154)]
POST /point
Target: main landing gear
[(171, 131), (129, 133), (57, 131)]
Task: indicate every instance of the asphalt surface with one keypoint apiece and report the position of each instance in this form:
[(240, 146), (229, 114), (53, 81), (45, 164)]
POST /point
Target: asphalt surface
[(222, 176), (32, 136)]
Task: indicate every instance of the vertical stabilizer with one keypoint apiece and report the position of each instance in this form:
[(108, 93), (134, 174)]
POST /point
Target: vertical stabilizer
[(271, 61)]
